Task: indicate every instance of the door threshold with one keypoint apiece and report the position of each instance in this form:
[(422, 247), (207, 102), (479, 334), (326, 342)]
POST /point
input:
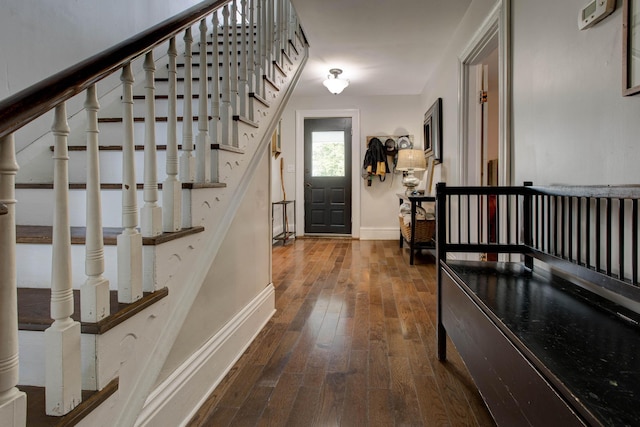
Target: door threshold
[(326, 236)]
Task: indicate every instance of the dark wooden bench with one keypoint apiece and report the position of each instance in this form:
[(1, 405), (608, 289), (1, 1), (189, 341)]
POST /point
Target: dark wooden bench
[(550, 330)]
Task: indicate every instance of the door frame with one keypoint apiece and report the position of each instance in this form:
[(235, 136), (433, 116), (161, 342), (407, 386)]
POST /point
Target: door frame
[(496, 25), (355, 164)]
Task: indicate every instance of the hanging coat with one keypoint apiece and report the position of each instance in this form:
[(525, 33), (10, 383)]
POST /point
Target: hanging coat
[(375, 161)]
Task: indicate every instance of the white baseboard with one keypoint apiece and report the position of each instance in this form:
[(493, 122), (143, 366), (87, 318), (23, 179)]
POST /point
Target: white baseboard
[(176, 399), (370, 233)]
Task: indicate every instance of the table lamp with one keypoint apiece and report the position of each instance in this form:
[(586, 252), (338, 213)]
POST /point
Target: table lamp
[(410, 160)]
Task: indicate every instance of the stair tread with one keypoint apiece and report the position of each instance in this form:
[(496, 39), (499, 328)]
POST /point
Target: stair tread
[(34, 308), (91, 399), (42, 234), (138, 147), (118, 186)]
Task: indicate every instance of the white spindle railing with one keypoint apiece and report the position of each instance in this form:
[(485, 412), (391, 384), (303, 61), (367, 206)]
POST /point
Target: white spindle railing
[(63, 374), (94, 294), (243, 85), (172, 187), (188, 160), (251, 66), (130, 241), (151, 214), (243, 62), (13, 403), (203, 148), (214, 125), (226, 114)]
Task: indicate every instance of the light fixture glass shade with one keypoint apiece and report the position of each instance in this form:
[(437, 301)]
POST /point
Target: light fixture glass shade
[(411, 160), (334, 83)]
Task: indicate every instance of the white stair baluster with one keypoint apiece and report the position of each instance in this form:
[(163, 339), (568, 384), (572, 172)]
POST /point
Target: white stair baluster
[(226, 114), (151, 214), (203, 147), (214, 127), (258, 48), (233, 79), (172, 187), (130, 241), (63, 382), (262, 69), (94, 294), (13, 403), (243, 86), (251, 58), (187, 160)]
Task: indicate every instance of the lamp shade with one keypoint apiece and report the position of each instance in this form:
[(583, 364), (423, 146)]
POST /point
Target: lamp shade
[(334, 83), (410, 159)]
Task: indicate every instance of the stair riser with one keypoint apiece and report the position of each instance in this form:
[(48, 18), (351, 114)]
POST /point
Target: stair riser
[(35, 206), (34, 265)]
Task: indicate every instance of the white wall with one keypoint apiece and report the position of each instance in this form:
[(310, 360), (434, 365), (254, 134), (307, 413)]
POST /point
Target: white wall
[(240, 271), (40, 38), (379, 115), (571, 123)]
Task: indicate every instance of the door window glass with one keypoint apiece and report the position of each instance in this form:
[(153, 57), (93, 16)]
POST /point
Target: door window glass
[(328, 153)]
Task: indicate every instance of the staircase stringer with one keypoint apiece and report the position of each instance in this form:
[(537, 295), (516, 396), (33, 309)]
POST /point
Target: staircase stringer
[(146, 378)]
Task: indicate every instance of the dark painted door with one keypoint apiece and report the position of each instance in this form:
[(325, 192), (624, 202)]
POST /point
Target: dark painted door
[(327, 176)]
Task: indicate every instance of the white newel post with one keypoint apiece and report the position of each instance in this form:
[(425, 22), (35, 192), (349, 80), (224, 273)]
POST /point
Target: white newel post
[(187, 160), (94, 294), (130, 241), (151, 214), (243, 85), (63, 379), (172, 187), (226, 114), (203, 148), (13, 403)]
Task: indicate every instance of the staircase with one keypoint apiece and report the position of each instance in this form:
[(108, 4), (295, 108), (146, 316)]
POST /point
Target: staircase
[(102, 265)]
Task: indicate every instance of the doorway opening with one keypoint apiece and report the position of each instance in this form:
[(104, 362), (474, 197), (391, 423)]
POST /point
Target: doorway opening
[(484, 111)]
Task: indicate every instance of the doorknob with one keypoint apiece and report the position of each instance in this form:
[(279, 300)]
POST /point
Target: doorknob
[(308, 184)]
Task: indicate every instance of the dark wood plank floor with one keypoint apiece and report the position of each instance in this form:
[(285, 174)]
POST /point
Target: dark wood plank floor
[(352, 344)]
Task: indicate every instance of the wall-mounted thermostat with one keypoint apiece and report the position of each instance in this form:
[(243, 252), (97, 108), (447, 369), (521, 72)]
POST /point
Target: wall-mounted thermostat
[(595, 12)]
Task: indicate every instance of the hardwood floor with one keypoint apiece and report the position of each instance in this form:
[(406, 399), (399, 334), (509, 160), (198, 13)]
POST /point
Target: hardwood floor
[(352, 344)]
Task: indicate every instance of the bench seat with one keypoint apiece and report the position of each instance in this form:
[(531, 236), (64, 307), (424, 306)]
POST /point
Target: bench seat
[(585, 348)]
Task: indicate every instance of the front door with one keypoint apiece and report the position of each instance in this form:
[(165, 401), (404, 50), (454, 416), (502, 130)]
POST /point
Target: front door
[(327, 176)]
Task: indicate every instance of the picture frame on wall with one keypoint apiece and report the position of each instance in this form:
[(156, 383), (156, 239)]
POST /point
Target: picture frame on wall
[(432, 128), (630, 47)]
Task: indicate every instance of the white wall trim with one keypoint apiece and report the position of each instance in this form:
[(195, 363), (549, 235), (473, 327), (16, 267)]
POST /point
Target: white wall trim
[(356, 180), (376, 233), (495, 25), (177, 398)]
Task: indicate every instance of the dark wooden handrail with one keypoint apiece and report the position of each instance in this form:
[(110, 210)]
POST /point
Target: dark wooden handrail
[(23, 107)]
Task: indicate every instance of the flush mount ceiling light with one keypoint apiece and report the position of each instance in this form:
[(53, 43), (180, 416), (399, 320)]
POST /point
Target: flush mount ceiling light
[(334, 83)]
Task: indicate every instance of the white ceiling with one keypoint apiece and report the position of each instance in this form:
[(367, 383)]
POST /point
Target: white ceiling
[(384, 47)]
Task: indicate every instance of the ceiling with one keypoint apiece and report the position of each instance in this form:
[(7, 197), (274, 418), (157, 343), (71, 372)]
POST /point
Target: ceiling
[(383, 47)]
